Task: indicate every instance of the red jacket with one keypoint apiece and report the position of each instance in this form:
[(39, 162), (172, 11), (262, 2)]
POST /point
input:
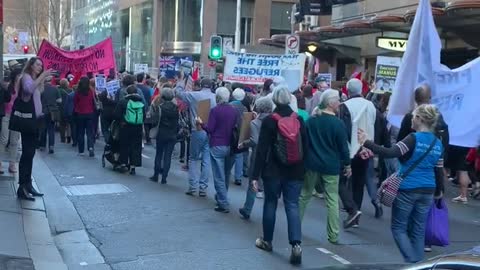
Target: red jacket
[(474, 158), (83, 104)]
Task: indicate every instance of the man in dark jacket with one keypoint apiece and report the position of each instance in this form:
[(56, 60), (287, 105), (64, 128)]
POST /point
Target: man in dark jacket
[(141, 84), (51, 101), (65, 130)]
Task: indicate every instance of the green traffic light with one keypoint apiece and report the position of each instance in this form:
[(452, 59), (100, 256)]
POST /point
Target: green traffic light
[(215, 52)]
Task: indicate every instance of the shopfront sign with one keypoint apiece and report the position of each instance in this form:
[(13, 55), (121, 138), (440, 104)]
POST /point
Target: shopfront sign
[(249, 68), (94, 59), (392, 44)]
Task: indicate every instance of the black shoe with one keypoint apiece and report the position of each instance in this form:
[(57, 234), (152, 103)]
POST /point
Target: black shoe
[(50, 151), (243, 214), (91, 153), (164, 181), (182, 160), (222, 210), (350, 221), (296, 255), (23, 194), (238, 182), (68, 140), (132, 171), (74, 144), (34, 192), (190, 193), (202, 194), (378, 209), (154, 178)]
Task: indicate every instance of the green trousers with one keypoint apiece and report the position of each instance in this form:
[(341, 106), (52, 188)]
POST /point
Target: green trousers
[(330, 187)]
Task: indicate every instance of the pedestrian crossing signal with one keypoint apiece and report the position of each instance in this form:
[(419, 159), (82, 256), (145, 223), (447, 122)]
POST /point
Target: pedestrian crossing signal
[(216, 47)]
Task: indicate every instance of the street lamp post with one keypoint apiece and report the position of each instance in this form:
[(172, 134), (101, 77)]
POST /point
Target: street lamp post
[(237, 27)]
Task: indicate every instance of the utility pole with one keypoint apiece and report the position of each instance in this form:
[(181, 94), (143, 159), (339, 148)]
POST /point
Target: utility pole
[(292, 18), (237, 27)]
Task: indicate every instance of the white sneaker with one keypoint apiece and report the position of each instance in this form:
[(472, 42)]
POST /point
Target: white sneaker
[(259, 195), (427, 249), (318, 195), (460, 199)]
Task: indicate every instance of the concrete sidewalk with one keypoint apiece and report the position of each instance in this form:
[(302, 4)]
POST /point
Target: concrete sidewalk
[(25, 239)]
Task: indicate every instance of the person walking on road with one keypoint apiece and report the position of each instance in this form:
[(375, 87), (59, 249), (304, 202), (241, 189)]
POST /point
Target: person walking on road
[(220, 125), (145, 89), (65, 129), (421, 154), (130, 113), (281, 177), (84, 109), (327, 156), (167, 113), (263, 108), (29, 91), (238, 95), (51, 101), (199, 149)]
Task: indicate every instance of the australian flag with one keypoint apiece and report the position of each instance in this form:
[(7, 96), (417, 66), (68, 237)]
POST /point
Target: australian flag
[(169, 64)]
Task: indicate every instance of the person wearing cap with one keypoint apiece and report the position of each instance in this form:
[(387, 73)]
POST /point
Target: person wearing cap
[(198, 175), (238, 96)]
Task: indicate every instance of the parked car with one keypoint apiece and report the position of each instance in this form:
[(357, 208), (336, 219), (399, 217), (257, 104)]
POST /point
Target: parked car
[(467, 260)]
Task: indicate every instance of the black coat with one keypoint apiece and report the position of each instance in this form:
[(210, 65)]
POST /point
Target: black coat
[(5, 97), (168, 126)]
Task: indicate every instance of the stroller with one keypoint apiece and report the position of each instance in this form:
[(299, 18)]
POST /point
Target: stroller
[(112, 148)]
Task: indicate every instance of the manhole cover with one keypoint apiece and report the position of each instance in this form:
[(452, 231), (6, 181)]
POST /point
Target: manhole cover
[(82, 190)]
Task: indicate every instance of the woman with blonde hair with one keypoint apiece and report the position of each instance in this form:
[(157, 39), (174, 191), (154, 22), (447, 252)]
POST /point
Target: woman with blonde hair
[(421, 170)]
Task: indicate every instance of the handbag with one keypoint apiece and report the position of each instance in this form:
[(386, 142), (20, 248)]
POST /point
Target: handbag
[(436, 228), (23, 118), (389, 189)]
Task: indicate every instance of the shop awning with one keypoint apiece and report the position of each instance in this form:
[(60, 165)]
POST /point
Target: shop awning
[(461, 17)]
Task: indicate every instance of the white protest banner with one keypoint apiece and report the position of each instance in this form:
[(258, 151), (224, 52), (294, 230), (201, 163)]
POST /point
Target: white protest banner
[(248, 68), (100, 81), (453, 91), (113, 86), (141, 68), (325, 77), (386, 72)]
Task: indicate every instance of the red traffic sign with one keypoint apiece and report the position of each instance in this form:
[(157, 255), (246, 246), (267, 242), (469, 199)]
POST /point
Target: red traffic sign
[(292, 44)]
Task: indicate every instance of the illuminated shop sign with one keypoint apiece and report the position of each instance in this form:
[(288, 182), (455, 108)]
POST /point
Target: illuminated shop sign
[(392, 44)]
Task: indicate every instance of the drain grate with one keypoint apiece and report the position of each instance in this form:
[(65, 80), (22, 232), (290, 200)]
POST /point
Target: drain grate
[(84, 190)]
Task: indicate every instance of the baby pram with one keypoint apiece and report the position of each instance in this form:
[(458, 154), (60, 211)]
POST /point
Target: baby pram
[(111, 152)]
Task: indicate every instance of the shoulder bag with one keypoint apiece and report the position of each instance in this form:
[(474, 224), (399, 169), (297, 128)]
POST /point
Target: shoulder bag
[(389, 189), (23, 118)]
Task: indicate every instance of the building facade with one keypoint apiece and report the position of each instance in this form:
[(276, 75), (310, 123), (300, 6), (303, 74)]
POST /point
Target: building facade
[(144, 30)]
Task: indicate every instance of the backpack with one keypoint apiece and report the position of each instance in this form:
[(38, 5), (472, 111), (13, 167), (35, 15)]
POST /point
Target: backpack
[(288, 146), (134, 112)]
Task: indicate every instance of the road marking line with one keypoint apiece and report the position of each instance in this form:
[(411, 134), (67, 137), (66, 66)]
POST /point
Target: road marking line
[(334, 256), (145, 156)]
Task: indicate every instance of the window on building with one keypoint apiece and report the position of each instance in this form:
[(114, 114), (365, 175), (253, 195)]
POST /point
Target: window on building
[(246, 26), (280, 22)]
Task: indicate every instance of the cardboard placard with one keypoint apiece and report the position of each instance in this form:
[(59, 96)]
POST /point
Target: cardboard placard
[(100, 82), (245, 127), (113, 86), (203, 110)]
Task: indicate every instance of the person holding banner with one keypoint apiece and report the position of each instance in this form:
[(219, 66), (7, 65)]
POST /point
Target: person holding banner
[(199, 149)]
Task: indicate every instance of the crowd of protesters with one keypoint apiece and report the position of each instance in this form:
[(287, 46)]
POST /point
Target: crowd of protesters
[(314, 141)]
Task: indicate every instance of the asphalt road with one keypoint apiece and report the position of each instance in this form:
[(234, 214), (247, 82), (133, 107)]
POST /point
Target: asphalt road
[(157, 226)]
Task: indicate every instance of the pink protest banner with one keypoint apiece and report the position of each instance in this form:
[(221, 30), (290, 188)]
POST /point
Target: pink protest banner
[(95, 59)]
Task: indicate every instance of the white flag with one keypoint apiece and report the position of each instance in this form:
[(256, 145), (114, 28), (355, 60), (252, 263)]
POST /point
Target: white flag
[(419, 60), (453, 91)]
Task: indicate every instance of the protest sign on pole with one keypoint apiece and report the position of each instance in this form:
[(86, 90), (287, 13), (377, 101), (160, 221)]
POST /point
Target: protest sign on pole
[(325, 77), (386, 73), (245, 127), (112, 87), (167, 65), (248, 68), (203, 109), (94, 59), (100, 82), (141, 68)]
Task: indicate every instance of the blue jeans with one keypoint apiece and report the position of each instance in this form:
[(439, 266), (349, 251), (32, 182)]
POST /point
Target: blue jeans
[(249, 199), (239, 166), (371, 186), (220, 156), (409, 215), (49, 131), (85, 125), (163, 157), (291, 192), (199, 154)]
